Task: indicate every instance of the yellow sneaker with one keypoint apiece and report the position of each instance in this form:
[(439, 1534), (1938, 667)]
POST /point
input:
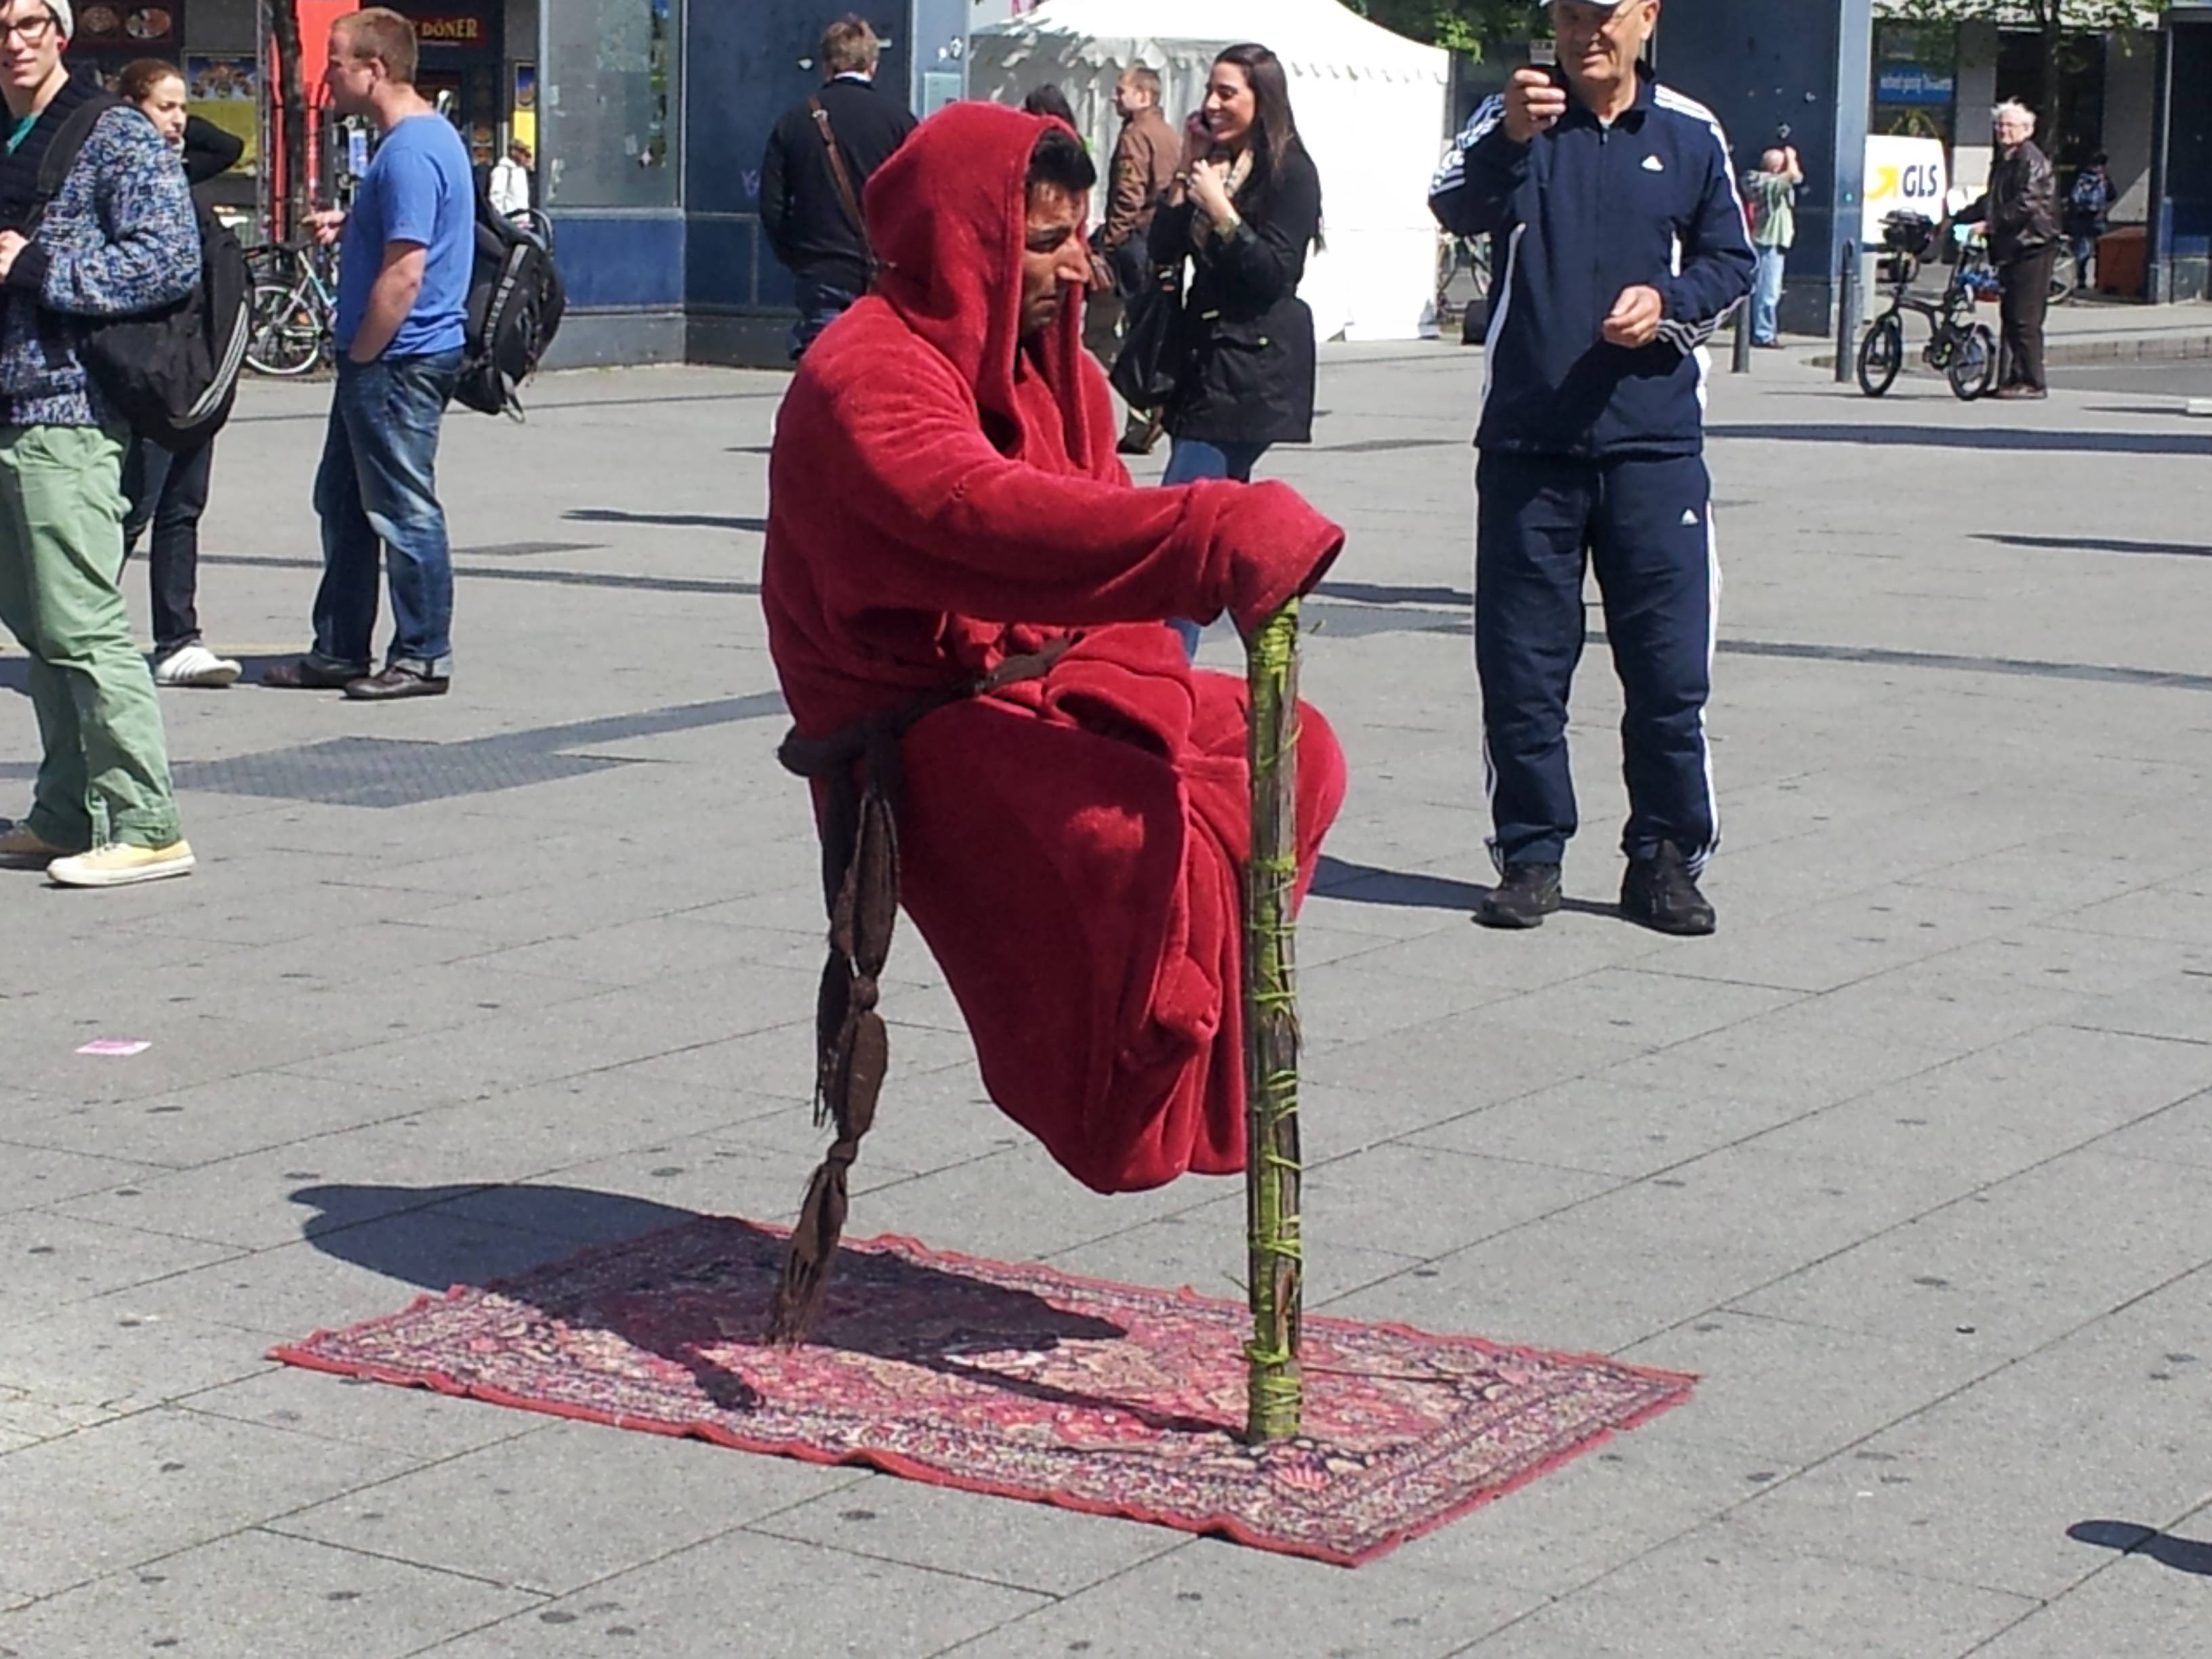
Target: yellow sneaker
[(118, 866), (21, 849)]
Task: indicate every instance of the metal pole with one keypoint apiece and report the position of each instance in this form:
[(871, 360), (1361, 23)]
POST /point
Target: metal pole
[(1847, 312), (1741, 364)]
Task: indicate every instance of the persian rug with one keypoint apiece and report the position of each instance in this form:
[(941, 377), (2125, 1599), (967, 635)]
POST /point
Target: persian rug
[(1015, 1381)]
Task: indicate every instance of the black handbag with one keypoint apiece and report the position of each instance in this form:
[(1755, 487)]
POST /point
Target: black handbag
[(1149, 364)]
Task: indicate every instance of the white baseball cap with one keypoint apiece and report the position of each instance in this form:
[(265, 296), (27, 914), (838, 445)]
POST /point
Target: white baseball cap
[(65, 17)]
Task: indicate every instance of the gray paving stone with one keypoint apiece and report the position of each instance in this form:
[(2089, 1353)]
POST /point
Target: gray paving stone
[(55, 1259), (1026, 1546), (1998, 1112), (307, 1600), (1801, 1393), (2182, 1133), (350, 1274), (748, 1593), (211, 1121), (2008, 1268), (1015, 1205), (1982, 1486), (1466, 1060), (91, 1503), (1204, 1250), (1623, 1005), (1215, 1601), (102, 1357), (413, 1421), (33, 1176), (1708, 1592), (2161, 1609), (507, 1513)]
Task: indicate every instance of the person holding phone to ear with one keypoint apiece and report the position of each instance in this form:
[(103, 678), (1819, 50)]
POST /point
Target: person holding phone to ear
[(1621, 245)]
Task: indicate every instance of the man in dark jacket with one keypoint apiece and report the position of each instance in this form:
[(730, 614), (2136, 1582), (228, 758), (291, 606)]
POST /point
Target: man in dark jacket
[(1621, 245), (816, 234), (1144, 167), (2022, 210)]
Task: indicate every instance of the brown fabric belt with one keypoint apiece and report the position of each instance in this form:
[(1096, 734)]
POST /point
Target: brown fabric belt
[(860, 771)]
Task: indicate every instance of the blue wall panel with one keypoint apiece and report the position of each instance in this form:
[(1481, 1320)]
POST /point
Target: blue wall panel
[(633, 261), (1760, 64)]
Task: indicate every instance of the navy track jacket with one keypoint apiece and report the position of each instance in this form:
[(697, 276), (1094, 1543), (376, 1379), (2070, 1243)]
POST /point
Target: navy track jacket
[(1580, 213)]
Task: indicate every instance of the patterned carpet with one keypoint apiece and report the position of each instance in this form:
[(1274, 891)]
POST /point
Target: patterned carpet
[(1015, 1381)]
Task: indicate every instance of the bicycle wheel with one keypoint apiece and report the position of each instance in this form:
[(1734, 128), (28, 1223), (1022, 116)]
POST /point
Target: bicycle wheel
[(1882, 354), (2061, 286), (1973, 368), (286, 337)]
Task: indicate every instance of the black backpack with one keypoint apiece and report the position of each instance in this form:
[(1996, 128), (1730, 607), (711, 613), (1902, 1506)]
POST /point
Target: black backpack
[(515, 303), (172, 373)]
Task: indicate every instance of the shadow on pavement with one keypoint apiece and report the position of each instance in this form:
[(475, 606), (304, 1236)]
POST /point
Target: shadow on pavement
[(668, 520), (1367, 884), (1378, 593), (2182, 1554), (2099, 545), (1947, 437), (897, 1308)]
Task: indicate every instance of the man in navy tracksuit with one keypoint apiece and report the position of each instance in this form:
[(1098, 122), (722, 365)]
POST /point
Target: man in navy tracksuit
[(1620, 241)]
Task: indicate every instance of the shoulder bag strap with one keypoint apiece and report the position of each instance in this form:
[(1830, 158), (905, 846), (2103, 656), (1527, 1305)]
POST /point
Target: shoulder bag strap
[(846, 193)]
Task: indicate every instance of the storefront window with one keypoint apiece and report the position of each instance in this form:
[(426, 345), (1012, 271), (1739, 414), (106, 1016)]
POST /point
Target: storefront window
[(610, 104), (1916, 78)]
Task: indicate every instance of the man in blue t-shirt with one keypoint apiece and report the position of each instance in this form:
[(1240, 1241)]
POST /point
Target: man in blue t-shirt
[(408, 248)]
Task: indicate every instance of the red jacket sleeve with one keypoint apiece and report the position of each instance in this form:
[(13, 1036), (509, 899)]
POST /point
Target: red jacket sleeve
[(951, 525)]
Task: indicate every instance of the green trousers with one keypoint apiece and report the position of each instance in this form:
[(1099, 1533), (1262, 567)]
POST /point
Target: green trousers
[(104, 776)]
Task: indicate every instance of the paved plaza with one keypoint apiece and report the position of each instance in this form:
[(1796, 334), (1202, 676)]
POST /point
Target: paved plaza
[(1912, 1163)]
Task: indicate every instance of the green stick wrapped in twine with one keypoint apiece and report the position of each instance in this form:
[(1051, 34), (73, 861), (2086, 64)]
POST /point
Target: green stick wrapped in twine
[(1277, 1262)]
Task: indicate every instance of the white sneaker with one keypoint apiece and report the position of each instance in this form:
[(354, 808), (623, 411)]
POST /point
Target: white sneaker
[(194, 664), (118, 866), (22, 848)]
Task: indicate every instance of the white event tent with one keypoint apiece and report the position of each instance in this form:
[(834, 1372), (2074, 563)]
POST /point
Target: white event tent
[(1370, 105)]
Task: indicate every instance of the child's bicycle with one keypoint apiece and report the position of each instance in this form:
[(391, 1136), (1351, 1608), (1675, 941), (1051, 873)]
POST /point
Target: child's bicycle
[(1962, 350)]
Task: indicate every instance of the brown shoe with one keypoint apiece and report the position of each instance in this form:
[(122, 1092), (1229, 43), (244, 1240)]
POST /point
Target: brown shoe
[(394, 684), (1140, 436), (305, 674)]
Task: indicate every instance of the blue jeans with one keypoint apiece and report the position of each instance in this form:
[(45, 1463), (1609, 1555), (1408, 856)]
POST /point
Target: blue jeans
[(1766, 298), (819, 306), (377, 490), (1189, 460)]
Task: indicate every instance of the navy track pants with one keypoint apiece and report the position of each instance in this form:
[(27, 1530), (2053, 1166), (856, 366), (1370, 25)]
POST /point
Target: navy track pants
[(1646, 527)]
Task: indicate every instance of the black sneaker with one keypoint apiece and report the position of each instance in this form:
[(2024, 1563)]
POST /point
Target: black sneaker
[(1659, 892), (1528, 894)]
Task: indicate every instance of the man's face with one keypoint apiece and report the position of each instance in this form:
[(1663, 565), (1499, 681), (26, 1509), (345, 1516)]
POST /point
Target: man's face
[(1053, 256), (351, 81), (1599, 45), (1129, 98), (2014, 129), (33, 46)]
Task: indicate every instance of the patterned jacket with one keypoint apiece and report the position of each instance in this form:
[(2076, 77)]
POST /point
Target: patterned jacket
[(118, 240)]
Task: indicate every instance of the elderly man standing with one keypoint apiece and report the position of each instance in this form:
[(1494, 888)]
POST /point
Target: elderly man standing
[(1613, 201), (2022, 210), (1146, 156)]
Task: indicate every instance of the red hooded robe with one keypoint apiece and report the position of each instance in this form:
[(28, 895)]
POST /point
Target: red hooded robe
[(943, 495)]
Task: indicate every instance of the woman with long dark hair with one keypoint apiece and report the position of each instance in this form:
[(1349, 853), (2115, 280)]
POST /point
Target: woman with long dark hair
[(165, 491), (1245, 209)]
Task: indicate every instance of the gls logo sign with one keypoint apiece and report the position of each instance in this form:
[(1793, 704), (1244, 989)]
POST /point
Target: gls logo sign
[(1903, 175)]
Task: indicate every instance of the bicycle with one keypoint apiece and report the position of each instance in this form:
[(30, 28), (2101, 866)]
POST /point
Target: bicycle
[(1454, 254), (293, 308), (1962, 350)]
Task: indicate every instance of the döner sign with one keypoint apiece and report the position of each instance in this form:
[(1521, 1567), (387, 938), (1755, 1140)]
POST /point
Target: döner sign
[(449, 31)]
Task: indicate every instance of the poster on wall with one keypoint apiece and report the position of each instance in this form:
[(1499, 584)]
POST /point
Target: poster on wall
[(108, 23), (226, 92), (523, 127)]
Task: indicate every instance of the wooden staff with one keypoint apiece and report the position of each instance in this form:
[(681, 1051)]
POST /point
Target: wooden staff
[(1276, 1270)]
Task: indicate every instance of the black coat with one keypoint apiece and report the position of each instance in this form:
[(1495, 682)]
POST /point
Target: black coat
[(1246, 339), (801, 212), (2021, 206)]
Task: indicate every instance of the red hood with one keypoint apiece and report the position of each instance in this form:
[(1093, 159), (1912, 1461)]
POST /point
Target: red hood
[(948, 215)]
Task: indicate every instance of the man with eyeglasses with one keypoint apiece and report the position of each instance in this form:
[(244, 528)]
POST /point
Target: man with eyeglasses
[(118, 238)]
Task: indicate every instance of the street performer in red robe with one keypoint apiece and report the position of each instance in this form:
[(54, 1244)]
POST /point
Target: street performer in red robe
[(966, 601)]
